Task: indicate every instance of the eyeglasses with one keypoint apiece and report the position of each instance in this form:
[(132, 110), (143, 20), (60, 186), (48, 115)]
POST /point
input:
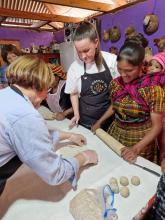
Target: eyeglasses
[(48, 91)]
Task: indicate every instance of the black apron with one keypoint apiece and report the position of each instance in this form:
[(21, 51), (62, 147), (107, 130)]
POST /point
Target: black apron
[(94, 97)]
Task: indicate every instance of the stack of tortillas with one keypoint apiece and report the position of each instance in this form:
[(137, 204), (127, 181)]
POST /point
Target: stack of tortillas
[(109, 141)]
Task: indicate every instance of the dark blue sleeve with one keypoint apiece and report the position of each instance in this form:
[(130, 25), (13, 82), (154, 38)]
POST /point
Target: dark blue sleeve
[(64, 102)]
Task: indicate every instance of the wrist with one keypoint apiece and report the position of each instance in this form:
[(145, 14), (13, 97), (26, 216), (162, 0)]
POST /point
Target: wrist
[(55, 114), (87, 159), (68, 135), (136, 150), (99, 122), (76, 114), (71, 136), (81, 159), (64, 113)]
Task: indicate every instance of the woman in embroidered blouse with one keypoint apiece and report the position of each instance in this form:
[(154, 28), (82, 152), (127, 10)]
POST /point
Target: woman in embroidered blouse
[(137, 101)]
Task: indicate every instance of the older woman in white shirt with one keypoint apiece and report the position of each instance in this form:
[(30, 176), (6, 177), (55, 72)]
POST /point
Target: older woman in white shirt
[(24, 136)]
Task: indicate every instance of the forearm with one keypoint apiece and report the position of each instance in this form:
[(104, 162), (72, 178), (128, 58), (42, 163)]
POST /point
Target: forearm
[(81, 159), (75, 103), (68, 111), (54, 170), (148, 138), (64, 135), (107, 114)]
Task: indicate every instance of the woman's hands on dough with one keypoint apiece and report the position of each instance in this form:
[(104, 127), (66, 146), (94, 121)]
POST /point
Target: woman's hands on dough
[(90, 157), (59, 116), (87, 157), (77, 139), (129, 154)]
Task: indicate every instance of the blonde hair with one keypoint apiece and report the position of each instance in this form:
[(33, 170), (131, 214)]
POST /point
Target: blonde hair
[(30, 72)]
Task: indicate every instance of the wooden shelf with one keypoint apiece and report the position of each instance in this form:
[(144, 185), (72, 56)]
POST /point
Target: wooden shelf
[(53, 58)]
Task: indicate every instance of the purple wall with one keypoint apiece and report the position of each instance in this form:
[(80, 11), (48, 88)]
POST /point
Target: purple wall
[(133, 16), (26, 37), (59, 36)]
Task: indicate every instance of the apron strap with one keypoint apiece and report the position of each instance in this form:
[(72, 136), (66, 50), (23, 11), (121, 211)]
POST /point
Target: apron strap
[(18, 91), (105, 66), (85, 69)]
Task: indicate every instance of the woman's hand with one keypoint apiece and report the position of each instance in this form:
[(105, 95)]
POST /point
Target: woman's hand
[(90, 157), (95, 126), (163, 165), (129, 154), (46, 113), (78, 139), (87, 157), (59, 116), (74, 121)]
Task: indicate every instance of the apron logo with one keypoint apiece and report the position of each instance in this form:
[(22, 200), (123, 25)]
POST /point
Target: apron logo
[(98, 86)]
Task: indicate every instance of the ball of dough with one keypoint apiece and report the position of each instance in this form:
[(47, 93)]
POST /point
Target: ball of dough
[(124, 191), (114, 187), (124, 181), (113, 180), (135, 180)]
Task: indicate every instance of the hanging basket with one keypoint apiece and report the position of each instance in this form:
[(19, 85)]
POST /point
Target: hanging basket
[(150, 24), (114, 34)]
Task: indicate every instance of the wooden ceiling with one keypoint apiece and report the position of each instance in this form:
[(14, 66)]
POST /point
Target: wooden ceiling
[(52, 14)]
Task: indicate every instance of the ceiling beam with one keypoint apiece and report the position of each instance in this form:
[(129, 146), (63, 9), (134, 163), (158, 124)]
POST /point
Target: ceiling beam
[(38, 16), (39, 24), (53, 27), (121, 5), (90, 5), (36, 29), (93, 5), (50, 9), (15, 23), (2, 19)]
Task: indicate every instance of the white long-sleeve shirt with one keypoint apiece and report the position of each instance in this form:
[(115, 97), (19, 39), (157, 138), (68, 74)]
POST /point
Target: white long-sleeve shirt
[(23, 132)]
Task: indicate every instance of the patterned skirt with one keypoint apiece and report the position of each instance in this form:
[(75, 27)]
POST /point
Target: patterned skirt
[(129, 135)]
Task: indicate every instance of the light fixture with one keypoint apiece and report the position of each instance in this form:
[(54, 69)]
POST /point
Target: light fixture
[(130, 1), (15, 25)]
